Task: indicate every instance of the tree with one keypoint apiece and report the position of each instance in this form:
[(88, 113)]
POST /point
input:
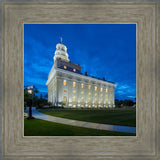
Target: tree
[(122, 103), (117, 103)]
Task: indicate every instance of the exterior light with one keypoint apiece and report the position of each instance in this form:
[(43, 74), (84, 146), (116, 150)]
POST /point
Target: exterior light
[(30, 91)]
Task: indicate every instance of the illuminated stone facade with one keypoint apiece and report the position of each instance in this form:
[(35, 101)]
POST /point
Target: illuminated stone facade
[(67, 86)]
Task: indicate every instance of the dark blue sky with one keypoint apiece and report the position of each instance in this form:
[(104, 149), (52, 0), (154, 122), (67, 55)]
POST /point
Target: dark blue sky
[(103, 50)]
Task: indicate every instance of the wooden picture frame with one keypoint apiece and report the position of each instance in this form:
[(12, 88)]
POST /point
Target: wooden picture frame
[(144, 145)]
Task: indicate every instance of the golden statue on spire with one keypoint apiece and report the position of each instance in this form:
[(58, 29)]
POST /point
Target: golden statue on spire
[(61, 40)]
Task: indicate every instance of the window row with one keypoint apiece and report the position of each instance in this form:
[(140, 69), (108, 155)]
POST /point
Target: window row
[(82, 100), (74, 91), (89, 86)]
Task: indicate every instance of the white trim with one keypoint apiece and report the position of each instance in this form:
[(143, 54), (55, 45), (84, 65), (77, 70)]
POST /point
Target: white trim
[(51, 74), (85, 77)]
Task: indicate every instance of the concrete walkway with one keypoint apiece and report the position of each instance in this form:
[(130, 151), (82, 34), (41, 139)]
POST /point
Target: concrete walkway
[(77, 123)]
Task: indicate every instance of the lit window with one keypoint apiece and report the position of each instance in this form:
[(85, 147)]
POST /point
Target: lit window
[(106, 90), (64, 82), (74, 99), (101, 89), (74, 91), (89, 93), (74, 84), (101, 95), (95, 88), (65, 90), (82, 99), (82, 85), (74, 70), (95, 100), (65, 67), (82, 92), (89, 100), (95, 94), (89, 87), (101, 101), (64, 98), (106, 101)]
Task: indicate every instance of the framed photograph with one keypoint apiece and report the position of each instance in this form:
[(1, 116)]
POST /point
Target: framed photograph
[(80, 80), (79, 83)]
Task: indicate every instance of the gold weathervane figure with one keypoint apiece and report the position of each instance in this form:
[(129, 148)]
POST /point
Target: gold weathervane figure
[(61, 39)]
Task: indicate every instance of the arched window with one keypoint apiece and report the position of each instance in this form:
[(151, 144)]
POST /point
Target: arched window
[(89, 100), (95, 88), (74, 84), (65, 99), (64, 82), (89, 87), (101, 89), (74, 99), (82, 99), (82, 85)]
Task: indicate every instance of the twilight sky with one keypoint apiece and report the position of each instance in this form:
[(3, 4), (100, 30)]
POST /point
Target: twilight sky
[(103, 50)]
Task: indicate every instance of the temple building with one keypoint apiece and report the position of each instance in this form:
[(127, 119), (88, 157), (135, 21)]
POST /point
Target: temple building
[(67, 86)]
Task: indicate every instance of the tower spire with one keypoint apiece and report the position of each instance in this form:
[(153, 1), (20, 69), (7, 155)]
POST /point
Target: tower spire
[(61, 40)]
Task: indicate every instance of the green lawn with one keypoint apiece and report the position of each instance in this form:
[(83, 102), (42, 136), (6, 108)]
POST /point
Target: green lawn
[(125, 117), (36, 127)]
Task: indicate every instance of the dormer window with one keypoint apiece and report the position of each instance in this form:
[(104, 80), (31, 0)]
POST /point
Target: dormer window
[(65, 67), (74, 70)]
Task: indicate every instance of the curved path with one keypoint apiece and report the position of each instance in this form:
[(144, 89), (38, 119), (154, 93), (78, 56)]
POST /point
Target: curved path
[(77, 123)]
